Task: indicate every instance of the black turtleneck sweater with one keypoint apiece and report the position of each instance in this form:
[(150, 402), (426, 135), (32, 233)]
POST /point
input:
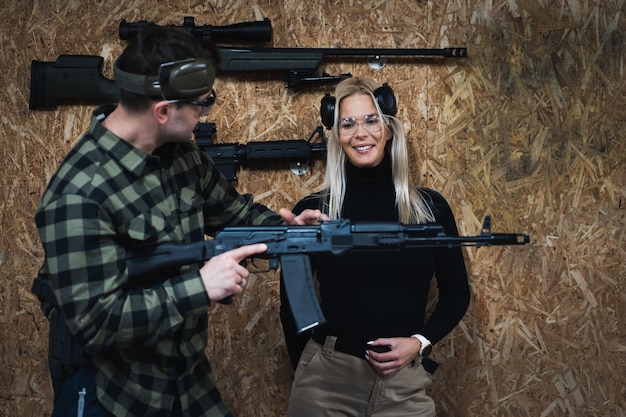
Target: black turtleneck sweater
[(384, 294)]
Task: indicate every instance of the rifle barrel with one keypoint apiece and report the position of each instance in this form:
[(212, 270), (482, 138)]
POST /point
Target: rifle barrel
[(236, 59), (295, 52)]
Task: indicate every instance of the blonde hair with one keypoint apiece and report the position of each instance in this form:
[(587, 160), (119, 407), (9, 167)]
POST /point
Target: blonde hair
[(412, 208)]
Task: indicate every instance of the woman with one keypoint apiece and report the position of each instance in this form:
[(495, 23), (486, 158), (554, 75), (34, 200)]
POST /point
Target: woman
[(367, 359)]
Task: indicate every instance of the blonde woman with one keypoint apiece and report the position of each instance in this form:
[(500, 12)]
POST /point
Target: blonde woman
[(367, 359)]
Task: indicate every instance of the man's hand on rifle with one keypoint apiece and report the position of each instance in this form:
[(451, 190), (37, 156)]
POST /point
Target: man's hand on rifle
[(224, 276), (307, 217)]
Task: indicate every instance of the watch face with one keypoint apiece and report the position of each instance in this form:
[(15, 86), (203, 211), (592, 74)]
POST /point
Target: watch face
[(426, 351)]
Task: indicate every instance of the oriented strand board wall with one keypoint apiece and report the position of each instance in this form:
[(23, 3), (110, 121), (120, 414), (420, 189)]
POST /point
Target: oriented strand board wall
[(528, 129)]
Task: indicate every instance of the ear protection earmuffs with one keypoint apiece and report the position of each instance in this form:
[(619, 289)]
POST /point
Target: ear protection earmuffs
[(188, 78), (384, 97)]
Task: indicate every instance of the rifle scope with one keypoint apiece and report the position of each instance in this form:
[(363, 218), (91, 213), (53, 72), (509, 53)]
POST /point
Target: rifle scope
[(256, 31)]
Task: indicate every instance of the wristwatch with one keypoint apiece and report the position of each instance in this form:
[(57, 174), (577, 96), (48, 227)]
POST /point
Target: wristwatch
[(426, 347)]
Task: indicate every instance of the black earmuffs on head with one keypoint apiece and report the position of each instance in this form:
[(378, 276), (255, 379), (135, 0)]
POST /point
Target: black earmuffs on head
[(184, 79), (384, 97)]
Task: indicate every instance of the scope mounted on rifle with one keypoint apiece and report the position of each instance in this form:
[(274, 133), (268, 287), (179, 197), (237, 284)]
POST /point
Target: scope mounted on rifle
[(255, 31)]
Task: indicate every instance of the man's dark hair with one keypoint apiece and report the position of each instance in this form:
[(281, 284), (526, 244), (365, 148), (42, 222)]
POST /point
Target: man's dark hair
[(156, 45)]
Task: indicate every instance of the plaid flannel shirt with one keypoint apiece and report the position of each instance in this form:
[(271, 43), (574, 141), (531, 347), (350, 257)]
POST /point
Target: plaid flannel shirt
[(147, 337)]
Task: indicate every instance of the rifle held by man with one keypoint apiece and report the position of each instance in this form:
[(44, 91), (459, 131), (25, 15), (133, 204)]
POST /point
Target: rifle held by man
[(291, 246)]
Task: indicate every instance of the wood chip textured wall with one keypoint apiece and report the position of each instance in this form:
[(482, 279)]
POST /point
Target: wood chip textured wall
[(528, 129)]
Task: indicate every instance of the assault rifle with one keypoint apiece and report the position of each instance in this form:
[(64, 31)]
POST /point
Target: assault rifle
[(290, 246), (228, 157), (79, 78)]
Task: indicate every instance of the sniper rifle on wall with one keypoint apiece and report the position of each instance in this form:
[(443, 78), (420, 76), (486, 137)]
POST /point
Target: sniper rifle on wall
[(79, 78)]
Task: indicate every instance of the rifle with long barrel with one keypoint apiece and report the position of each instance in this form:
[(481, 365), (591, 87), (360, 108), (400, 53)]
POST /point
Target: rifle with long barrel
[(79, 78), (228, 157), (291, 246)]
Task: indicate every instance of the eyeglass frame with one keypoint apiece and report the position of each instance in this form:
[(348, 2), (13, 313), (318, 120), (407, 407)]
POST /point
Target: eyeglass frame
[(207, 102), (369, 117)]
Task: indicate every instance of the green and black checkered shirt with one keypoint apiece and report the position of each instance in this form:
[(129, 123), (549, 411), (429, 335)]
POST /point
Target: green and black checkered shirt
[(146, 337)]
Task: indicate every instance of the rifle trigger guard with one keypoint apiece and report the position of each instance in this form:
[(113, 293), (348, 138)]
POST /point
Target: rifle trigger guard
[(274, 262)]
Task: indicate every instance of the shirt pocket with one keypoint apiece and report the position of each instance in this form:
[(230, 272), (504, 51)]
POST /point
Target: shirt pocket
[(146, 227), (189, 199)]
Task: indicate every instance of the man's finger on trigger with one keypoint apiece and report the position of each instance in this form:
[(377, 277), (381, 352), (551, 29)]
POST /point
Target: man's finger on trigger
[(249, 250)]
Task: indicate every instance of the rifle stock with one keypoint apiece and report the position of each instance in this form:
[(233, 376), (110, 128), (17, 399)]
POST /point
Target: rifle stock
[(291, 246), (70, 79)]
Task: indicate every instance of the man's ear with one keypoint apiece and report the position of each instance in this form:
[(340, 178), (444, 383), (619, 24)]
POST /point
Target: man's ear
[(161, 111)]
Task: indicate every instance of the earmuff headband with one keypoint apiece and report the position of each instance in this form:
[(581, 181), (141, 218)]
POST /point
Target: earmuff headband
[(384, 97), (189, 78)]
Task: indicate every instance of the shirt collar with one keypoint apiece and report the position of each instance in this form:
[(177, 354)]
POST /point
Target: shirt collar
[(126, 154)]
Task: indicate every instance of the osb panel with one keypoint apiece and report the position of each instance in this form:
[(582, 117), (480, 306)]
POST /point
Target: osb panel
[(528, 129)]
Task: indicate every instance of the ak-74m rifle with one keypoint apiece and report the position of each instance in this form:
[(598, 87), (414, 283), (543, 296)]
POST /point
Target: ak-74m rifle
[(290, 247), (228, 157), (79, 78)]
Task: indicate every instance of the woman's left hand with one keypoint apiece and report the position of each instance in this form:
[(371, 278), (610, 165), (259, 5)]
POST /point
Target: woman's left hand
[(403, 351), (307, 217)]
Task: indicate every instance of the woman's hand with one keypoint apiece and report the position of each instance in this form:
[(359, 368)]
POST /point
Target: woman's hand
[(403, 351), (307, 217)]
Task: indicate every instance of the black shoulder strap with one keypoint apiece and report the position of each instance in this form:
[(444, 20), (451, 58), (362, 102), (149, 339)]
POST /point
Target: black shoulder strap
[(42, 289)]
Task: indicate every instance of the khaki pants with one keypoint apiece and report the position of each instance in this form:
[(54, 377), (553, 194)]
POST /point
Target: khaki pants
[(329, 383)]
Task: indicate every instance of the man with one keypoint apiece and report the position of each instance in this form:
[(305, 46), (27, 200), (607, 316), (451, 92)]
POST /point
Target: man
[(135, 346)]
